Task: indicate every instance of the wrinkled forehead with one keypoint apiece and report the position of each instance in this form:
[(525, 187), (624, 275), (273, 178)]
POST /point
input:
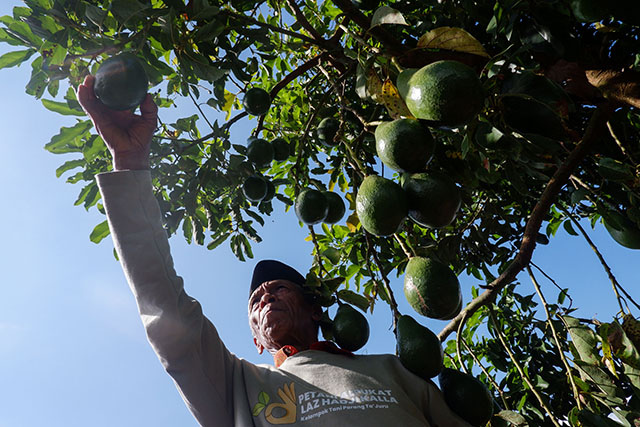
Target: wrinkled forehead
[(269, 285)]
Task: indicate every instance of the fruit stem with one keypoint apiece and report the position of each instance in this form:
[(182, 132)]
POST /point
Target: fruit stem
[(406, 248), (317, 250), (555, 337), (458, 339), (392, 301)]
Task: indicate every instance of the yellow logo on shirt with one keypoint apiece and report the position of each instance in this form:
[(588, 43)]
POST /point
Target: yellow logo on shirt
[(288, 404)]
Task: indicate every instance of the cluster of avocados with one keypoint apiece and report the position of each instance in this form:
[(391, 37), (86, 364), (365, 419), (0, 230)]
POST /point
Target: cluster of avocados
[(448, 94), (260, 153), (444, 93)]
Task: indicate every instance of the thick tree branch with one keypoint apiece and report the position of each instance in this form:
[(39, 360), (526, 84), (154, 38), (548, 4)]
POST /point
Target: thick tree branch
[(596, 128)]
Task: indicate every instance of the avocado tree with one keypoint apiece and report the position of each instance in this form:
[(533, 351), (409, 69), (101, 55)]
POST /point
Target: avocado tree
[(547, 137)]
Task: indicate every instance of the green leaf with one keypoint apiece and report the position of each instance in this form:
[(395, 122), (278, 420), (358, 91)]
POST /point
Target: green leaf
[(599, 378), (21, 31), (99, 232), (569, 227), (93, 147), (88, 196), (255, 216), (512, 417), (54, 53), (246, 245), (332, 254), (68, 165), (62, 108), (588, 418), (124, 10), (17, 57), (37, 84), (218, 241), (187, 230), (354, 298), (69, 140), (584, 339), (387, 15), (578, 195), (95, 14), (563, 295), (614, 170)]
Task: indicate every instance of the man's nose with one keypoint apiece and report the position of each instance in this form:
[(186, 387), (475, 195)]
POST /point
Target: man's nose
[(266, 299)]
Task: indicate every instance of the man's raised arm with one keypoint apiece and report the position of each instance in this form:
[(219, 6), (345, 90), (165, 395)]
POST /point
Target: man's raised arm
[(186, 342)]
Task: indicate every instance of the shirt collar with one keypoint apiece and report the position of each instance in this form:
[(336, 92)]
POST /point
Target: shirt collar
[(288, 350)]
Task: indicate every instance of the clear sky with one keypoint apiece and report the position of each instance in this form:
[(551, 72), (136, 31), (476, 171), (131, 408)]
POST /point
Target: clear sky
[(72, 349)]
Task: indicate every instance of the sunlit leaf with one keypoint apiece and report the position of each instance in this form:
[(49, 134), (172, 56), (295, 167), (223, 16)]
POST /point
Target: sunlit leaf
[(17, 57), (452, 38), (374, 85), (387, 15), (391, 99), (99, 232), (62, 108)]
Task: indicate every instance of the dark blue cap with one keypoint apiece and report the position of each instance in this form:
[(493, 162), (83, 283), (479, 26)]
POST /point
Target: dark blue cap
[(268, 269)]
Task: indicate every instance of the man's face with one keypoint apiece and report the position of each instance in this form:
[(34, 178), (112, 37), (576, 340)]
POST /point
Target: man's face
[(279, 315)]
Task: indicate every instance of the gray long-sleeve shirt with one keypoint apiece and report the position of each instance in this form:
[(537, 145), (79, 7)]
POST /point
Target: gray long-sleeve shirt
[(311, 388)]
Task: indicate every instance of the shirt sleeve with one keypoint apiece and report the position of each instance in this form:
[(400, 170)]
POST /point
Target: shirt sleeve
[(185, 341)]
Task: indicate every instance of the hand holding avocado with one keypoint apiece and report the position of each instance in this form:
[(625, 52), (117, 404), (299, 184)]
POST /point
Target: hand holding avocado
[(127, 135)]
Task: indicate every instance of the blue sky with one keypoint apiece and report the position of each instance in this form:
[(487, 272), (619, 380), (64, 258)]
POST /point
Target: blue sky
[(72, 348)]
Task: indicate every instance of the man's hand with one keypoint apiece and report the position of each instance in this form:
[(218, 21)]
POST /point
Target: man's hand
[(127, 135)]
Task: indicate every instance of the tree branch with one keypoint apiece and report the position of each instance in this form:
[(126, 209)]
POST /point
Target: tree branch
[(594, 131), (302, 20)]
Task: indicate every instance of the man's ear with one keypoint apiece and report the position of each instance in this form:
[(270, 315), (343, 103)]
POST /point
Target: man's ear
[(259, 346), (317, 313)]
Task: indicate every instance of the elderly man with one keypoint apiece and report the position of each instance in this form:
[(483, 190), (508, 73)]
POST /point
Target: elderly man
[(311, 384)]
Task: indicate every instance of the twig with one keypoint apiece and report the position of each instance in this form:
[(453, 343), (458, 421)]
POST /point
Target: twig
[(576, 395), (489, 377), (224, 127), (458, 339), (521, 370), (317, 249), (407, 251), (385, 280), (596, 126), (360, 40), (302, 20), (619, 143), (614, 282), (549, 278), (195, 102)]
